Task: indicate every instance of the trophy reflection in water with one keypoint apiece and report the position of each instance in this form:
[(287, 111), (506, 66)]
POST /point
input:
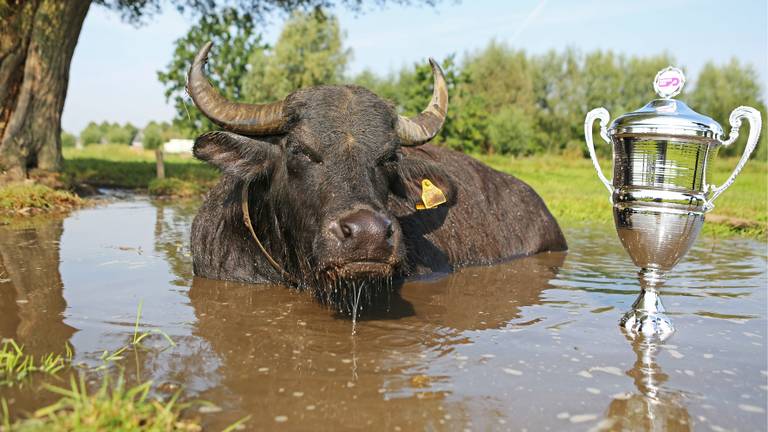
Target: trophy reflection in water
[(660, 191)]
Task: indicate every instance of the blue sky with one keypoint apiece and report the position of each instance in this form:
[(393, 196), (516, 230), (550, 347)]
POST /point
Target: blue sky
[(113, 75)]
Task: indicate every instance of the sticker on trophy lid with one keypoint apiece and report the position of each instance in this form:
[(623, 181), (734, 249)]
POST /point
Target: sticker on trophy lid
[(669, 82)]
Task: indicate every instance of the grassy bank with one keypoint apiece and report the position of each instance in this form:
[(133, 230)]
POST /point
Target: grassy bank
[(29, 198), (568, 185), (126, 167)]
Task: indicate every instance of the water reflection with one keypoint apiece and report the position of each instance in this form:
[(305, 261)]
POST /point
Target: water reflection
[(171, 233), (532, 343), (32, 304), (31, 291), (485, 297), (653, 407), (283, 355)]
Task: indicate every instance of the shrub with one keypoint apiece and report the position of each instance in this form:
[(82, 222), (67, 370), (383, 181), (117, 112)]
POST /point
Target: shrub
[(92, 134), (512, 131)]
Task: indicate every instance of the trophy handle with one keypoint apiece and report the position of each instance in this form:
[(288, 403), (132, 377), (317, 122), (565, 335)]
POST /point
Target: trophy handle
[(755, 123), (601, 114)]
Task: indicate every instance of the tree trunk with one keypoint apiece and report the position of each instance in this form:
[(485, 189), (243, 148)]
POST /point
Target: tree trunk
[(160, 162), (37, 40)]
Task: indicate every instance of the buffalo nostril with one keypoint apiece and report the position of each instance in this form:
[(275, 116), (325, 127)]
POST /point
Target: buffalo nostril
[(346, 230), (363, 229)]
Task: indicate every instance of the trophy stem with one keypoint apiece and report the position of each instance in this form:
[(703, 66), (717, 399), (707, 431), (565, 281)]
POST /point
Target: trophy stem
[(647, 318)]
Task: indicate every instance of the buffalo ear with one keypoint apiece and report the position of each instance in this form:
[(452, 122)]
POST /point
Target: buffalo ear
[(411, 171), (236, 155)]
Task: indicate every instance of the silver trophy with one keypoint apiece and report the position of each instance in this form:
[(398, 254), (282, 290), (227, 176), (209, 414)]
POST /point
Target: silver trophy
[(660, 191)]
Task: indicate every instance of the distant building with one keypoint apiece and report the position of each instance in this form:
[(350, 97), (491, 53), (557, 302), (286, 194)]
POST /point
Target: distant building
[(178, 146)]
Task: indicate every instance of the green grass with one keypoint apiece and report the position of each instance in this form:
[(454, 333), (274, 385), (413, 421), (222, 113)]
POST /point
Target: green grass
[(16, 366), (113, 406), (122, 166), (135, 342), (22, 197), (574, 194)]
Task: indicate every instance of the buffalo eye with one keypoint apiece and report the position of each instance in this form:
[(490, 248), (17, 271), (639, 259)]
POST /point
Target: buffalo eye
[(390, 158)]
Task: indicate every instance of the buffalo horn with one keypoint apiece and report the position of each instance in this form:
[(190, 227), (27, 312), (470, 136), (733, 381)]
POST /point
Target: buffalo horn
[(243, 118), (422, 128)]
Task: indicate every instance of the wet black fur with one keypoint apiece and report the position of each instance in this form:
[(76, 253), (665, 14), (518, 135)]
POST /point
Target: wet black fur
[(341, 151)]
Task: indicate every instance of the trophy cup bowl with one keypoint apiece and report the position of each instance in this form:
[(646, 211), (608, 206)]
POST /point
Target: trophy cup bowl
[(659, 191)]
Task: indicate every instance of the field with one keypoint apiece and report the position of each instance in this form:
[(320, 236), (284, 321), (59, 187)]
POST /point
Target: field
[(574, 194), (569, 186), (126, 167)]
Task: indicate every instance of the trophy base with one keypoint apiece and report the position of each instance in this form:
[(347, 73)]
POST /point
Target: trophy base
[(643, 324), (647, 318)]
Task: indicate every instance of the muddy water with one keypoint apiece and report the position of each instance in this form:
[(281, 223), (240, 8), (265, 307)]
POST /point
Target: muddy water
[(532, 344)]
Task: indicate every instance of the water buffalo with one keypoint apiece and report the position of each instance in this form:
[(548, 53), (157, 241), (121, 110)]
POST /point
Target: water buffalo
[(330, 179)]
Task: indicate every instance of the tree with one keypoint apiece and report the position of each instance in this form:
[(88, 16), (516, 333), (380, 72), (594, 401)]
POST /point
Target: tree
[(234, 39), (116, 134), (308, 52), (512, 131), (91, 134), (568, 85), (503, 100), (37, 40), (721, 89), (153, 136), (154, 140), (637, 79), (503, 75), (558, 94)]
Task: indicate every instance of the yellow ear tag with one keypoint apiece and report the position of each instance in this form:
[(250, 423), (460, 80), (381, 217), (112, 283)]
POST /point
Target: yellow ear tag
[(431, 196)]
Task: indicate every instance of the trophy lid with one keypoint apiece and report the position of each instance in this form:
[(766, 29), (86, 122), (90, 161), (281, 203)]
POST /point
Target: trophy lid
[(667, 116)]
